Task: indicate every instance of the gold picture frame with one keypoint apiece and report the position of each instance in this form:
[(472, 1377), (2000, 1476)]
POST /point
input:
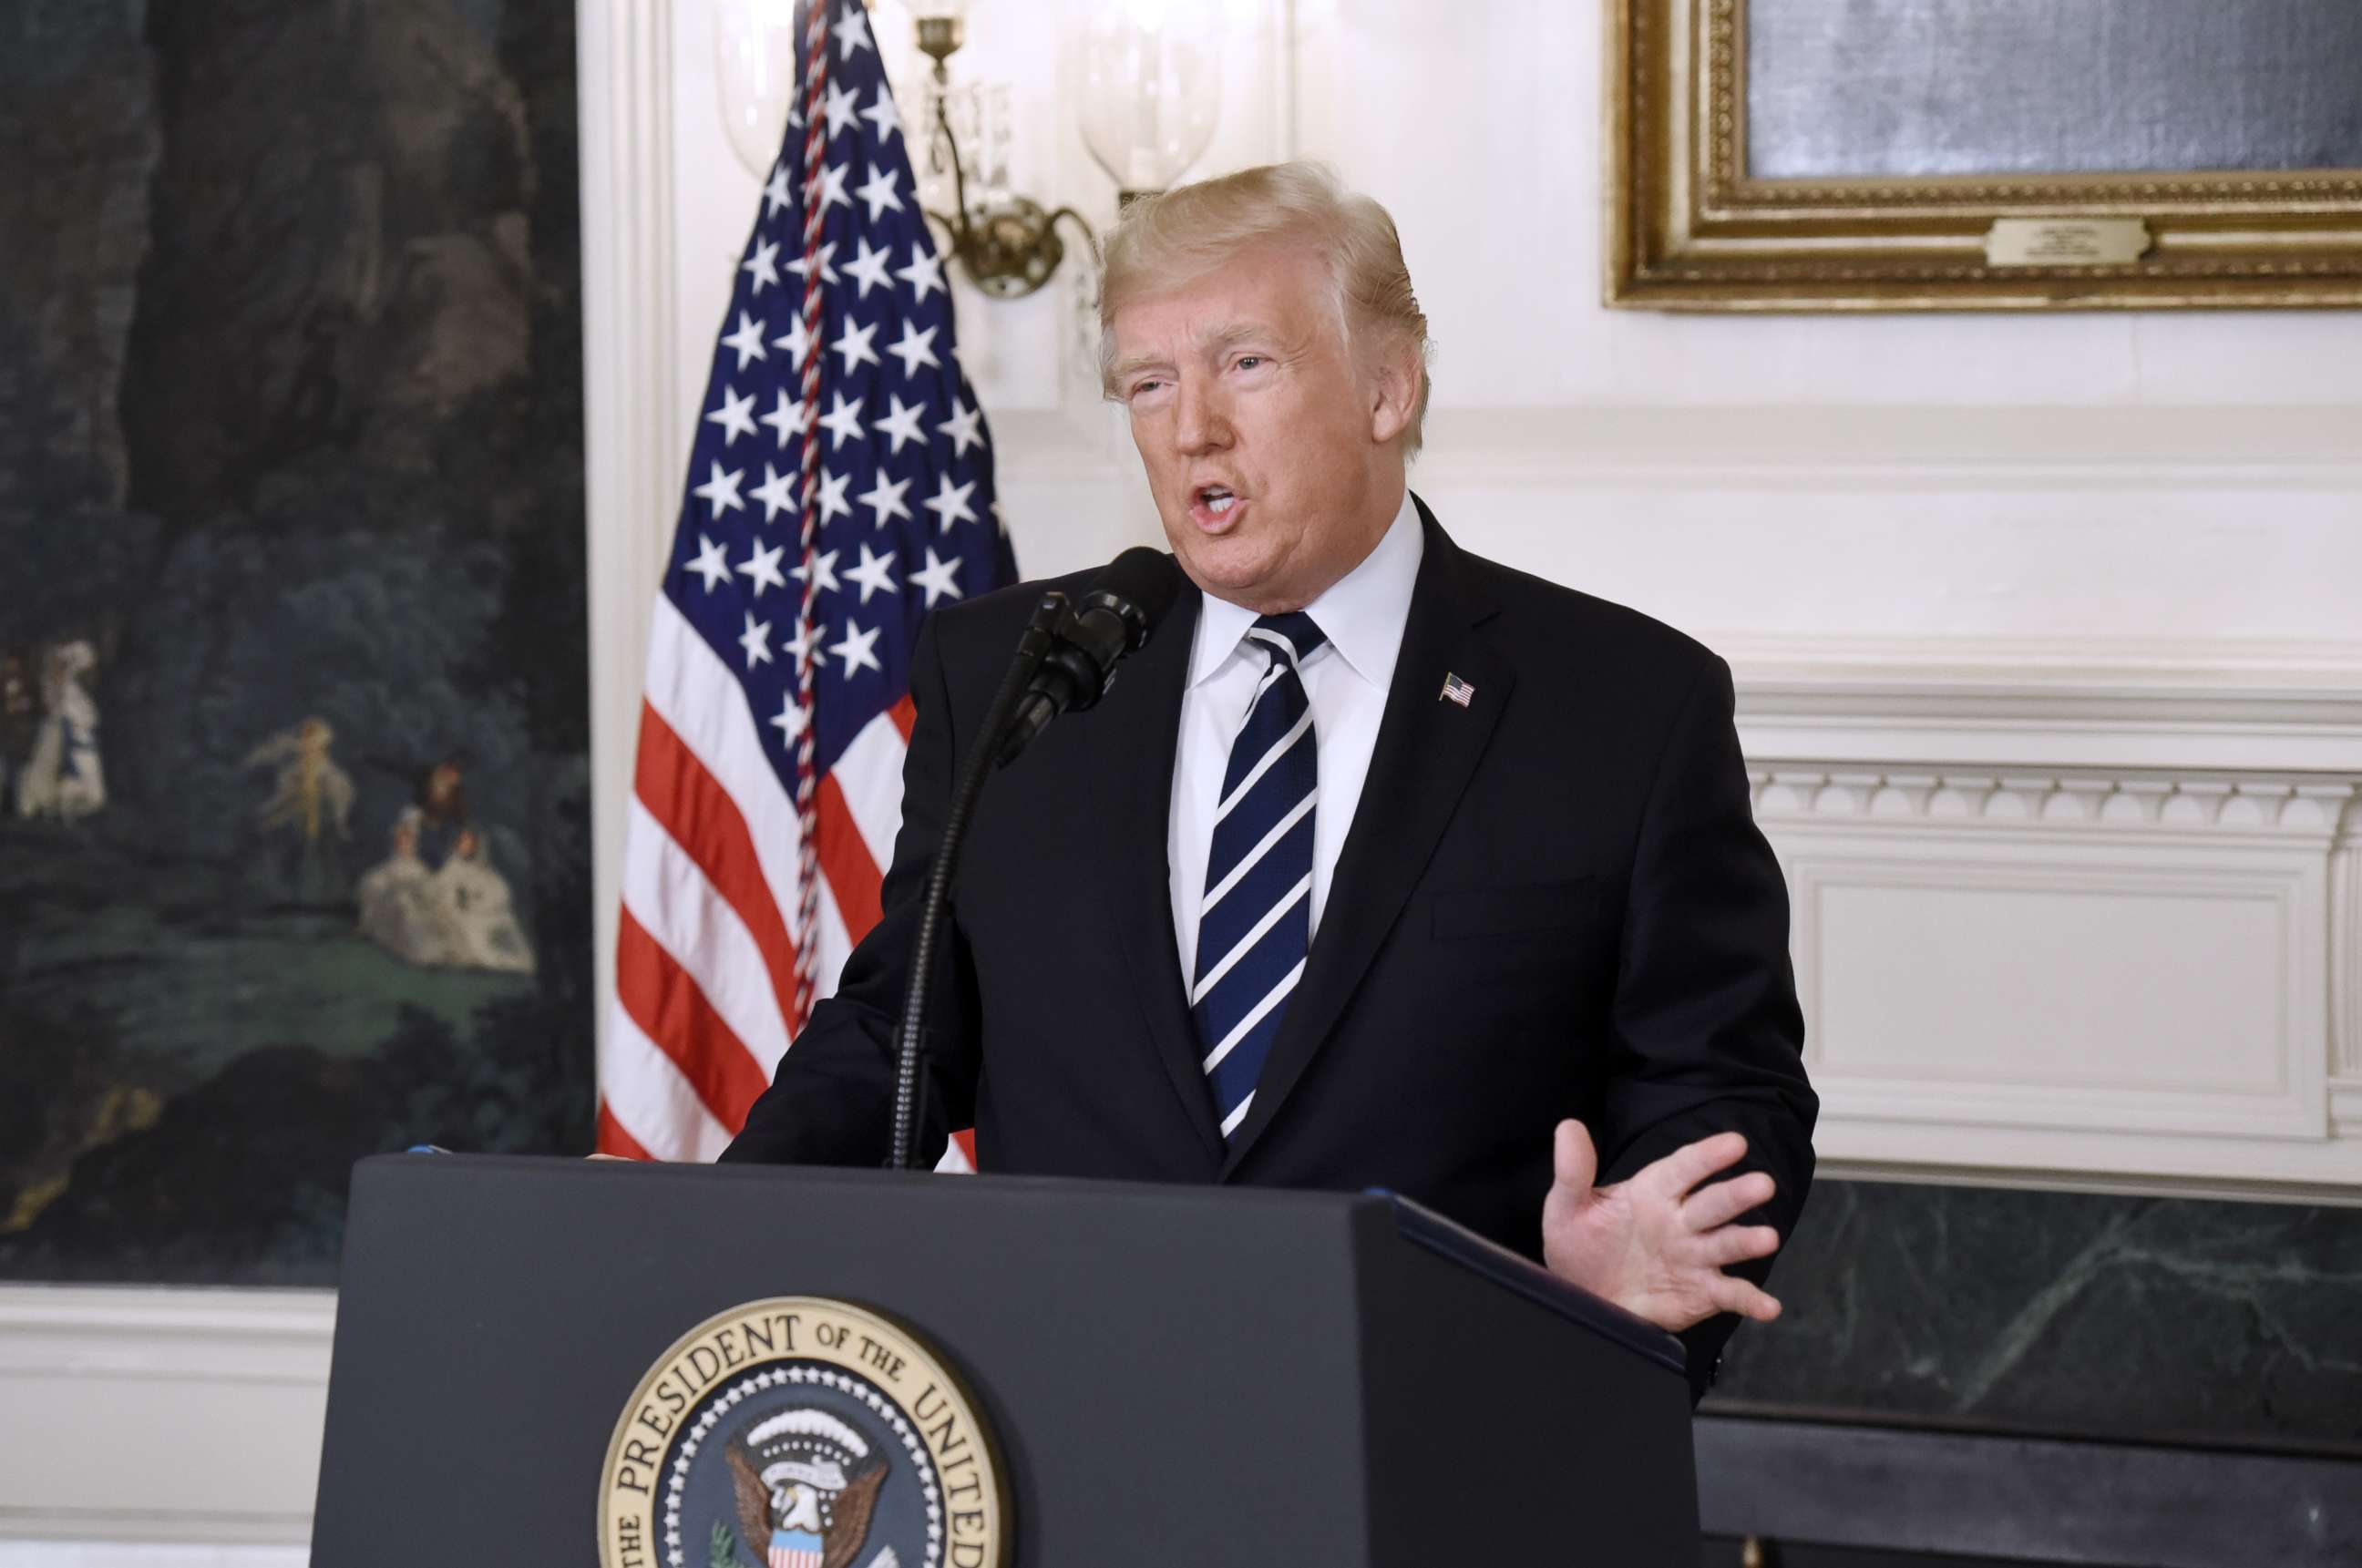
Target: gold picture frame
[(1689, 229)]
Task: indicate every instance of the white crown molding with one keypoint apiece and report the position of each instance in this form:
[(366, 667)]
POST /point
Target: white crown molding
[(2229, 704), (2034, 678), (1835, 449), (141, 1331)]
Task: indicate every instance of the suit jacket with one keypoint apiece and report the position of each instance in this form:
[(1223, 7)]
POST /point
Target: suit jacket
[(1551, 902)]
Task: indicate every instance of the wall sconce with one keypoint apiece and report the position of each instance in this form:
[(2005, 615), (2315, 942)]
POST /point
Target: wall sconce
[(1006, 243), (1152, 93)]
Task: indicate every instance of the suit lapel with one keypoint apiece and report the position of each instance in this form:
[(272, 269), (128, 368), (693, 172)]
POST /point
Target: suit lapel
[(1427, 750), (1143, 718)]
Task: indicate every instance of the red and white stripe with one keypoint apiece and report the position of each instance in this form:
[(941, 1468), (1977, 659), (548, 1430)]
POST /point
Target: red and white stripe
[(706, 956)]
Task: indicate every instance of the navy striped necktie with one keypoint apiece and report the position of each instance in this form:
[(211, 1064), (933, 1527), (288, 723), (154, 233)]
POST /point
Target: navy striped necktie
[(1254, 923)]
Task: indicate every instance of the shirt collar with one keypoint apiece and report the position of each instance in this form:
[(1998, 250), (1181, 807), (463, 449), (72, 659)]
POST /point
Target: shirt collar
[(1362, 613)]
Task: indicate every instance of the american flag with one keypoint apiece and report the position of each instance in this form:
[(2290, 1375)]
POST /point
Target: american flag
[(839, 489)]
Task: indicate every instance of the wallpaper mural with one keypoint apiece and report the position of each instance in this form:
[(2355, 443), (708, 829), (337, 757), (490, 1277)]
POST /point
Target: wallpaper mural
[(293, 808)]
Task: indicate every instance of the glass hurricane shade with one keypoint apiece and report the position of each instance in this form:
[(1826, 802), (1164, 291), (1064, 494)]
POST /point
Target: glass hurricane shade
[(755, 67), (1152, 89)]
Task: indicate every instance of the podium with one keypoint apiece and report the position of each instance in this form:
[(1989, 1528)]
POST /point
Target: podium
[(1199, 1377)]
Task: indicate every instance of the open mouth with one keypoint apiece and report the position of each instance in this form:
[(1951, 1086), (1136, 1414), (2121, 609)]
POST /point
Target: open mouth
[(1213, 503)]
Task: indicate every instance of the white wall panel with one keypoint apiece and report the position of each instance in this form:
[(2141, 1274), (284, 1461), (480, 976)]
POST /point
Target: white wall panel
[(2073, 970), (1933, 976)]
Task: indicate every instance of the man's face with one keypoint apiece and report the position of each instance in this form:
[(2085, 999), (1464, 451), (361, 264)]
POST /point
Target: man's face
[(1271, 455)]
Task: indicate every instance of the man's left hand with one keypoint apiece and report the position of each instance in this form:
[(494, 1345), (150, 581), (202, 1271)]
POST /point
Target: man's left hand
[(1656, 1245)]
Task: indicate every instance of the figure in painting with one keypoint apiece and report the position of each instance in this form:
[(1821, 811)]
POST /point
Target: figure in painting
[(311, 792), (311, 798), (461, 915), (397, 901), (479, 913), (19, 717), (63, 778), (442, 809)]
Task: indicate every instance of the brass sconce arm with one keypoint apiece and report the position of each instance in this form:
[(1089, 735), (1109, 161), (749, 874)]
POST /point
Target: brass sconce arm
[(1010, 248)]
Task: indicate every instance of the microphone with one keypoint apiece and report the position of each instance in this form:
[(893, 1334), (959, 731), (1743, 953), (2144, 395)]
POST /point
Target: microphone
[(1124, 604), (1065, 658)]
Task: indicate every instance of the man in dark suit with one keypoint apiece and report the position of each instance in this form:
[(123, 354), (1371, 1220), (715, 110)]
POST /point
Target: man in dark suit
[(1380, 865)]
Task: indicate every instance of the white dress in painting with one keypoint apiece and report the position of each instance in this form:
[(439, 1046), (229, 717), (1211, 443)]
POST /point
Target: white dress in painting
[(63, 776), (479, 913), (398, 907)]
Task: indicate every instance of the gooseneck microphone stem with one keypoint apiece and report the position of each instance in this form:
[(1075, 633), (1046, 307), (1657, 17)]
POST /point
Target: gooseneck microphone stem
[(1040, 636)]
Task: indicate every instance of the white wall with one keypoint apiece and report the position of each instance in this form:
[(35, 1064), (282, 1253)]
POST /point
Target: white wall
[(2047, 631)]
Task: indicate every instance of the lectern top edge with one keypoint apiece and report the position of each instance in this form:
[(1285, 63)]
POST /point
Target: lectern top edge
[(1521, 1277), (1421, 1225), (1418, 1225)]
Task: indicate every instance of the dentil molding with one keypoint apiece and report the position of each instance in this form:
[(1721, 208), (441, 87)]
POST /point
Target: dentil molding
[(2300, 809)]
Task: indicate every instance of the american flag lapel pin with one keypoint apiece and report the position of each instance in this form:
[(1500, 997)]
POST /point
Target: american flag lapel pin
[(1456, 690)]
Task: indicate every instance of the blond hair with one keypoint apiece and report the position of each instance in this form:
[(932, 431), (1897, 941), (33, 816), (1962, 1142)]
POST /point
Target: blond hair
[(1164, 240)]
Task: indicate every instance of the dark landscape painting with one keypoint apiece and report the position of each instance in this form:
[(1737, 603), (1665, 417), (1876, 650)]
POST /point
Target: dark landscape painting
[(295, 858)]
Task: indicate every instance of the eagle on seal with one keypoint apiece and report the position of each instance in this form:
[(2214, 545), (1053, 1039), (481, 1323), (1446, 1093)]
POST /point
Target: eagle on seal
[(806, 1486)]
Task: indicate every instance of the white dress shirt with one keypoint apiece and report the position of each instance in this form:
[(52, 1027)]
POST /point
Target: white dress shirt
[(1346, 680)]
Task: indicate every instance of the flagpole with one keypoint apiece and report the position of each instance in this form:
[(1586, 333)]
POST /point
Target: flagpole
[(807, 929)]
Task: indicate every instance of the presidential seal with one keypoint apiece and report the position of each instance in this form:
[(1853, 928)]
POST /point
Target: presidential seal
[(801, 1432)]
